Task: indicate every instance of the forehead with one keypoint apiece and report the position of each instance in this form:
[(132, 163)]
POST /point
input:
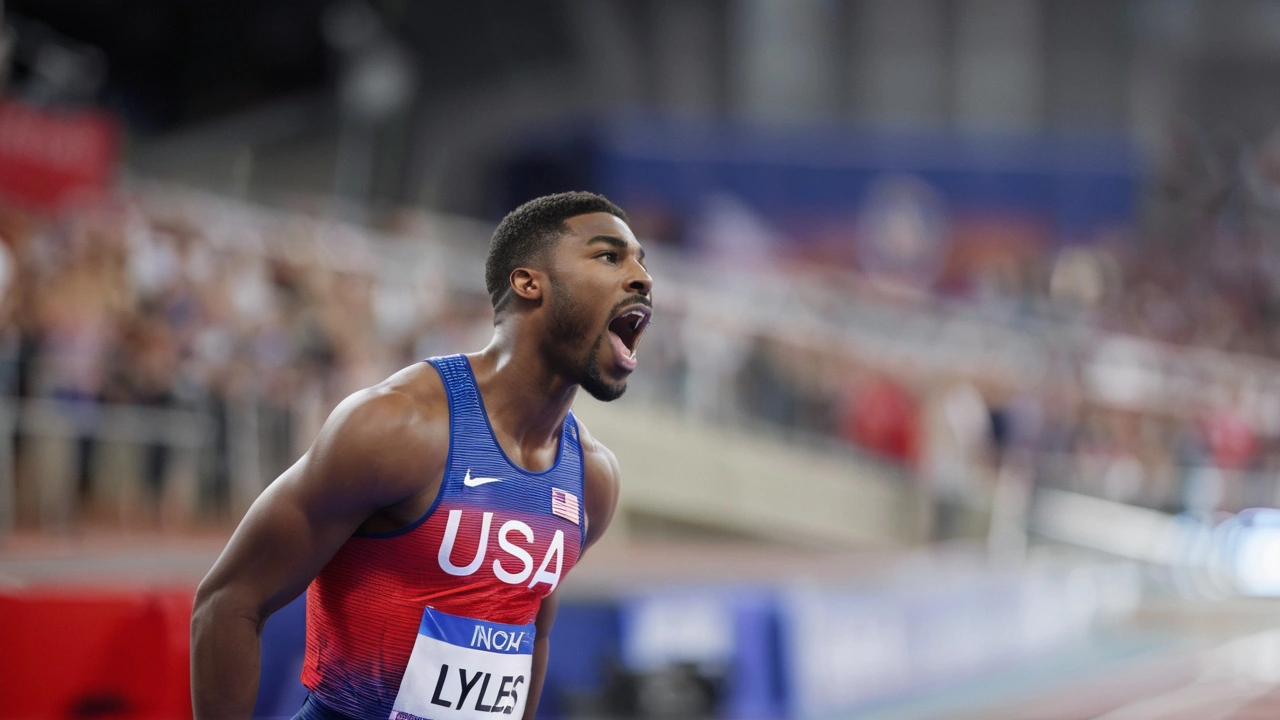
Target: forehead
[(582, 228)]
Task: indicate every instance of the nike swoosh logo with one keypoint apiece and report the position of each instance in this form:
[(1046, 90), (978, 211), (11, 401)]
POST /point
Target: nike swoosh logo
[(478, 481)]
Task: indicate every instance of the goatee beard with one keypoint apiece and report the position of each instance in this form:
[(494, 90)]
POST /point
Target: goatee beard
[(593, 382), (567, 330)]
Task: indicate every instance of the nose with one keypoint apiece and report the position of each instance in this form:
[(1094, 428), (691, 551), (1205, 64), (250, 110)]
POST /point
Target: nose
[(639, 282)]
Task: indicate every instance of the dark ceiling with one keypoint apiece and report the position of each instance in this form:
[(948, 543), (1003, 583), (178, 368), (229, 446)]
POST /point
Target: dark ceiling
[(170, 63)]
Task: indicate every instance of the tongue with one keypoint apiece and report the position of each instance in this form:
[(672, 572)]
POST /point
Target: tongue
[(620, 352)]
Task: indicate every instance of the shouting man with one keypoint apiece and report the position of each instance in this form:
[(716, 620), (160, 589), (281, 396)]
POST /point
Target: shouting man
[(437, 513)]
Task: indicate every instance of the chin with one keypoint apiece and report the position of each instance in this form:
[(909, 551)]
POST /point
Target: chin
[(599, 388), (591, 379), (608, 393)]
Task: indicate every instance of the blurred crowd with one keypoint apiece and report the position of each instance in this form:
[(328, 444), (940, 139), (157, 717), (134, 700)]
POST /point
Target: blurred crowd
[(259, 327), (1139, 368), (1157, 354)]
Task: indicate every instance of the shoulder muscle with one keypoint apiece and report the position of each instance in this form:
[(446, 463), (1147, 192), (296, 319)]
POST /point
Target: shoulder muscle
[(370, 453), (377, 445), (602, 480)]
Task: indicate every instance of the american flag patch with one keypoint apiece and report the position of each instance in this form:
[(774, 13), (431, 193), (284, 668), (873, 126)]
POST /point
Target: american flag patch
[(565, 505)]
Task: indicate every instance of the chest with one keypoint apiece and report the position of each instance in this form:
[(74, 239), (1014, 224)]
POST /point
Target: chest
[(486, 535), (516, 531)]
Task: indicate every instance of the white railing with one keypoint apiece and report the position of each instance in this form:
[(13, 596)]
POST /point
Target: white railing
[(51, 434)]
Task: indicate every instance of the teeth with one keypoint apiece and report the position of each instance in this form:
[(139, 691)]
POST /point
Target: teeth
[(639, 321)]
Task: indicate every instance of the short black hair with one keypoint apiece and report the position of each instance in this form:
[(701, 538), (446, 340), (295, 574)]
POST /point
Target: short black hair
[(531, 229)]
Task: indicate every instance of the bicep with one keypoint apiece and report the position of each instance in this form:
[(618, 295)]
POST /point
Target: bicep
[(287, 536), (368, 455)]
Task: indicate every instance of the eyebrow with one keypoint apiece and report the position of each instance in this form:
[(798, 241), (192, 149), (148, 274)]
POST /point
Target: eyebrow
[(615, 242)]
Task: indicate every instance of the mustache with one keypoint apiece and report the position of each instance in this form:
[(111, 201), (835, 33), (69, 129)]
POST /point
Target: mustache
[(633, 300)]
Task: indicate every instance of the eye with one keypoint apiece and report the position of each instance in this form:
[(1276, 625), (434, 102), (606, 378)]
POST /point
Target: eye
[(609, 256)]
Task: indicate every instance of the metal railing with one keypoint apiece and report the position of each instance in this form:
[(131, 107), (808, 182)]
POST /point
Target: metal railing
[(54, 454)]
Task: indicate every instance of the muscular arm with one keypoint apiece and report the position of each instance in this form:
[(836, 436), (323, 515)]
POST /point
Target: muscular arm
[(601, 499), (365, 458)]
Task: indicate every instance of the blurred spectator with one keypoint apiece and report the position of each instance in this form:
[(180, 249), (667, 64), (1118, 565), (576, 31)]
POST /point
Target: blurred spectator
[(956, 452), (1147, 362), (880, 416)]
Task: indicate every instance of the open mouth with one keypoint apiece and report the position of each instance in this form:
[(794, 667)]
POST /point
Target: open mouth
[(625, 331)]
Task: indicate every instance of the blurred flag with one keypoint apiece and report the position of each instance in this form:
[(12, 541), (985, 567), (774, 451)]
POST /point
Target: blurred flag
[(49, 158)]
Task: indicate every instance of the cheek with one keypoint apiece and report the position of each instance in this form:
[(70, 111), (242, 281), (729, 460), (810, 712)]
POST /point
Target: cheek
[(586, 299), (603, 294)]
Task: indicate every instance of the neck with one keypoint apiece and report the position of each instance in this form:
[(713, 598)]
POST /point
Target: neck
[(526, 399)]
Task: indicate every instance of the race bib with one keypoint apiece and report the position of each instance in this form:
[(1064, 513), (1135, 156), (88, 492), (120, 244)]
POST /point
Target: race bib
[(465, 669)]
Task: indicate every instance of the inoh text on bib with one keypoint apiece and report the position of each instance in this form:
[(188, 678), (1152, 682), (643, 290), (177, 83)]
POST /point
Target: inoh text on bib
[(465, 669)]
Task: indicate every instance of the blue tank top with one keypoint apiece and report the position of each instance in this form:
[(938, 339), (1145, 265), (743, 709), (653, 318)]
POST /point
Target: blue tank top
[(496, 541), (474, 453)]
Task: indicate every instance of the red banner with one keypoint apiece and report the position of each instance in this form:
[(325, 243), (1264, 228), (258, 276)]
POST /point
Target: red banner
[(79, 653), (49, 158)]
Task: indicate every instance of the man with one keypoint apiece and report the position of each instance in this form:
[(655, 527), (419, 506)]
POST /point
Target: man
[(437, 513)]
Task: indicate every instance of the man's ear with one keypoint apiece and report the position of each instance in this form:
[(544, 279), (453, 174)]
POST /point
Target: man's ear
[(527, 283)]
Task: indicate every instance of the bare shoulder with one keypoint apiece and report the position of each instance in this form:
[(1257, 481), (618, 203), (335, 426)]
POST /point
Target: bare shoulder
[(386, 437), (602, 478)]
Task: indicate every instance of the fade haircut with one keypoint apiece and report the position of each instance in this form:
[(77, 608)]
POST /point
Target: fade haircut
[(526, 234)]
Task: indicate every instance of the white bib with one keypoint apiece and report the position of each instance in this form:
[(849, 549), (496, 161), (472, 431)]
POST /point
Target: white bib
[(465, 669)]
